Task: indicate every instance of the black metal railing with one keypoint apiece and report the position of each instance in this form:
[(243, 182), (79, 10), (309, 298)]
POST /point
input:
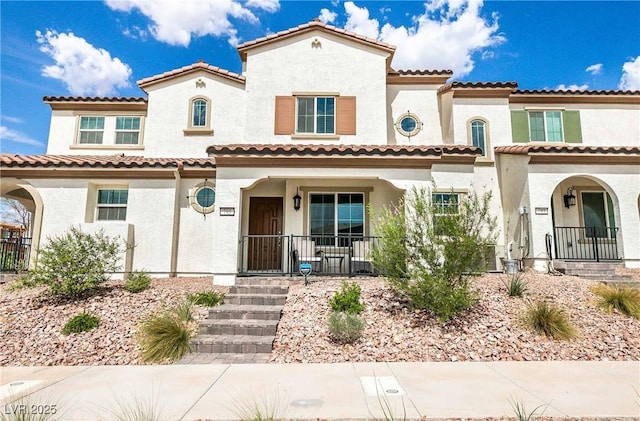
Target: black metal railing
[(14, 254), (327, 255), (586, 243)]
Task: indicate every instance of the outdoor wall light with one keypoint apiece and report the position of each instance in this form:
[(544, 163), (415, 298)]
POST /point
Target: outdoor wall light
[(297, 200), (569, 198)]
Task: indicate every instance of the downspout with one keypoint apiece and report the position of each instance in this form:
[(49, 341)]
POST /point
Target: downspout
[(175, 237)]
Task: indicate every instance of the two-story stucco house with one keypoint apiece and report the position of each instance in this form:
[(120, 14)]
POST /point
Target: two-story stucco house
[(213, 172)]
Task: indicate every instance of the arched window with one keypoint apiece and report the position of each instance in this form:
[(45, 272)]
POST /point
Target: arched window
[(199, 113), (479, 135)]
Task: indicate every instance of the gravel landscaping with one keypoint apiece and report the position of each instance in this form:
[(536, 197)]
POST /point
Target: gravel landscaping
[(30, 325)]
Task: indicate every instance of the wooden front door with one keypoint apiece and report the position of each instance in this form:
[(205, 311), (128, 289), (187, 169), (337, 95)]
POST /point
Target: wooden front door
[(265, 219)]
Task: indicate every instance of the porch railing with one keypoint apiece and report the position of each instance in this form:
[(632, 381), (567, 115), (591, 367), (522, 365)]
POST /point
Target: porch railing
[(586, 243), (14, 254), (328, 255)]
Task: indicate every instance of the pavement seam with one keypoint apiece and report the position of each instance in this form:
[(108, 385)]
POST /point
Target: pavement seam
[(205, 392), (405, 390), (548, 404)]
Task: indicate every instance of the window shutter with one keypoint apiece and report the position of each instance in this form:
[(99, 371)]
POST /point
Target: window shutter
[(520, 126), (346, 115), (285, 115), (572, 127)]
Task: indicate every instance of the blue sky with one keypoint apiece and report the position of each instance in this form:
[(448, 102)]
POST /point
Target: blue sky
[(103, 47)]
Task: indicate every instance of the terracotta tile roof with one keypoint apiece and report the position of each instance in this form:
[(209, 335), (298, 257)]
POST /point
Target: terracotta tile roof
[(479, 85), (445, 72), (92, 99), (314, 24), (341, 150), (107, 161), (581, 93), (200, 65), (567, 149)]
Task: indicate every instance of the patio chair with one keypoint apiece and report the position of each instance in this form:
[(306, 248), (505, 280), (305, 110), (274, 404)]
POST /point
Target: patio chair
[(304, 251), (361, 257)]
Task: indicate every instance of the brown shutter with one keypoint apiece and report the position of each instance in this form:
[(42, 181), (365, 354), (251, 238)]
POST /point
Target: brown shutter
[(285, 115), (346, 115)]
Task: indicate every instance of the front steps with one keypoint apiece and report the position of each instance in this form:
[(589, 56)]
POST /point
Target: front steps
[(241, 330), (597, 271)]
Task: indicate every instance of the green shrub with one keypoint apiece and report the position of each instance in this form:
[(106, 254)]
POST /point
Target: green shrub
[(75, 261), (517, 285), (137, 281), (623, 299), (429, 250), (345, 327), (550, 320), (165, 335), (82, 322), (347, 299), (23, 281), (183, 311), (206, 298)]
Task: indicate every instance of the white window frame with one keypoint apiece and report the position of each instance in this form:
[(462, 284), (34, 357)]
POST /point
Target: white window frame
[(335, 210), (137, 131), (545, 125), (110, 205), (81, 130), (315, 114), (485, 130)]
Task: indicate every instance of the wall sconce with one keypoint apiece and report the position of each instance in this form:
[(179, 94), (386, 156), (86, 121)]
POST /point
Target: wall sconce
[(297, 200), (569, 198)]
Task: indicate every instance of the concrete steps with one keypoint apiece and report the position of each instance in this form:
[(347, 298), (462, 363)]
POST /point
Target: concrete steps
[(599, 271), (241, 330)]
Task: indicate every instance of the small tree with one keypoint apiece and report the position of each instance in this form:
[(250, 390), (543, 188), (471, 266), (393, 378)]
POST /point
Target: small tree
[(429, 251), (77, 261)]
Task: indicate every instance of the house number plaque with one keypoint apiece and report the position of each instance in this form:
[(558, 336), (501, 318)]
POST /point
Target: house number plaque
[(227, 211), (542, 211)]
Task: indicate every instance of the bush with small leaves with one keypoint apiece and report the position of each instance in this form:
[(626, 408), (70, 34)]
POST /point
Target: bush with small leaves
[(137, 281), (516, 285), (550, 320), (347, 299), (623, 299), (206, 298), (345, 327), (82, 322)]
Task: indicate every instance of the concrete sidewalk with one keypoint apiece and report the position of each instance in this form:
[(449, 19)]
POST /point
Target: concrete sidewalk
[(335, 391)]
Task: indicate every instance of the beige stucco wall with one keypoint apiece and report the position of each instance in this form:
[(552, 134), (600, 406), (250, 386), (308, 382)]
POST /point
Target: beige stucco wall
[(420, 100)]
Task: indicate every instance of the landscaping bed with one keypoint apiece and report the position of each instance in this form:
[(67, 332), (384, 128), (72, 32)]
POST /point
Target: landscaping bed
[(490, 331), (31, 323)]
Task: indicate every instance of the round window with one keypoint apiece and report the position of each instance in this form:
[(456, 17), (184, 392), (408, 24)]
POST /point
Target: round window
[(203, 198), (408, 124)]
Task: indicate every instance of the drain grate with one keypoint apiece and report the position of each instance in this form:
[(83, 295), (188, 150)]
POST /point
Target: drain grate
[(381, 386)]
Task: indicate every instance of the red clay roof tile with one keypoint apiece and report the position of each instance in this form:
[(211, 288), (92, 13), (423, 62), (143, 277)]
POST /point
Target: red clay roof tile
[(564, 149), (200, 65), (92, 99), (107, 161)]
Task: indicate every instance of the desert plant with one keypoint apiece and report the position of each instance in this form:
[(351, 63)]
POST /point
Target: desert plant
[(623, 299), (347, 299), (516, 285), (206, 298), (431, 246), (137, 281), (260, 407), (521, 411), (550, 320), (165, 335), (345, 327), (82, 322), (76, 261), (133, 407), (23, 281)]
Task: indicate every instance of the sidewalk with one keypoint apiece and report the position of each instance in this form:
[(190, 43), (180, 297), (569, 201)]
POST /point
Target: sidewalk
[(334, 391)]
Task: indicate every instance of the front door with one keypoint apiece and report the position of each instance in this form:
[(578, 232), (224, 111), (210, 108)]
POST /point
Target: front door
[(265, 223)]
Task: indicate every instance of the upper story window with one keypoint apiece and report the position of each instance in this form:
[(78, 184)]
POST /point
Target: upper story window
[(308, 115), (538, 125), (91, 130), (112, 204), (408, 124), (316, 115), (199, 123), (478, 130), (545, 126), (127, 130)]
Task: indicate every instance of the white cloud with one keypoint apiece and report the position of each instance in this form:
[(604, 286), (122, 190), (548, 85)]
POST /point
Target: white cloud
[(445, 37), (135, 32), (594, 69), (327, 16), (83, 68), (175, 22), (358, 21), (573, 87), (16, 120), (7, 134), (268, 5), (630, 80)]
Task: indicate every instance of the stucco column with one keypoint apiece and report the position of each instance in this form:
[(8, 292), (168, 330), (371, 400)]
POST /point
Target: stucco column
[(627, 191)]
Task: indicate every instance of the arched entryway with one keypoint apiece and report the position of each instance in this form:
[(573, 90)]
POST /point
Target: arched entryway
[(586, 220)]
